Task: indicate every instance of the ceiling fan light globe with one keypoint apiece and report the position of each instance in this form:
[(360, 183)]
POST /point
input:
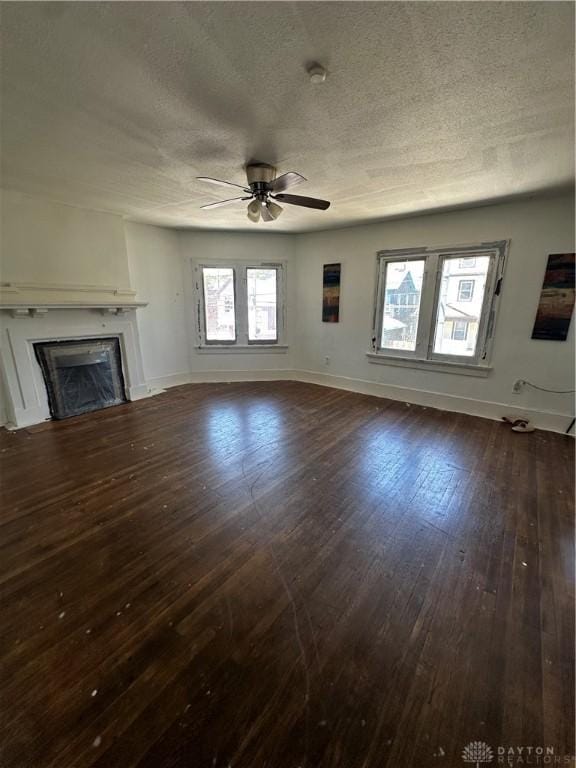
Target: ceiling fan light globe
[(254, 210), (274, 209)]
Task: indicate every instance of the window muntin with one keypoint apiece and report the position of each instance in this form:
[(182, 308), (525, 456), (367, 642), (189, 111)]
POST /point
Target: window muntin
[(219, 304), (262, 297), (402, 290), (446, 330), (465, 290)]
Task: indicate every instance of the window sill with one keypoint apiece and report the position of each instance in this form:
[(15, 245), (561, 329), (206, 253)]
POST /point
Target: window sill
[(465, 369), (242, 349)]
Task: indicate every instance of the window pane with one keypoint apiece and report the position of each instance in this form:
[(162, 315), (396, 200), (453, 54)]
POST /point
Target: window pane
[(402, 291), (460, 307), (262, 304), (219, 303)]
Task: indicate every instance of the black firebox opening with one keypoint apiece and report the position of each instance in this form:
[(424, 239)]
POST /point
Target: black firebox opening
[(81, 375)]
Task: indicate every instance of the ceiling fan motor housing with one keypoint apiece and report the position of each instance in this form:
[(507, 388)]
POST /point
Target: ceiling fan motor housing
[(260, 173)]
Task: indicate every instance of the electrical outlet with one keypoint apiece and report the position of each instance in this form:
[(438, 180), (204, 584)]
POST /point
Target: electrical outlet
[(327, 360), (518, 386)]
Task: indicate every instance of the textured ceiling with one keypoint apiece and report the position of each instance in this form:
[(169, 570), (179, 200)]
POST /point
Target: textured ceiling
[(118, 106)]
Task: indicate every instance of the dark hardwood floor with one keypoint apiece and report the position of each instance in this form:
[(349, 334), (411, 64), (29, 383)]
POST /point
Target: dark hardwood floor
[(281, 575)]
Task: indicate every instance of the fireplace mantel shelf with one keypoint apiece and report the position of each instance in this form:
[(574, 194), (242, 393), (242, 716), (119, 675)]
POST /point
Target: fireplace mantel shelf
[(37, 309)]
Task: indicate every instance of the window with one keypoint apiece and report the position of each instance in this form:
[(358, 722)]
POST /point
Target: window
[(262, 304), (419, 314), (400, 318), (239, 305), (459, 330), (465, 290), (219, 315)]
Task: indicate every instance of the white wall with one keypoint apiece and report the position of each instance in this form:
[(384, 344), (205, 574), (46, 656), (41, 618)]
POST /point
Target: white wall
[(45, 242), (158, 275), (536, 228)]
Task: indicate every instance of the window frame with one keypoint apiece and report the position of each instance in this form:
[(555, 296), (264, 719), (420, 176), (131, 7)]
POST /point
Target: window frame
[(218, 342), (434, 259), (263, 342), (239, 268), (378, 331)]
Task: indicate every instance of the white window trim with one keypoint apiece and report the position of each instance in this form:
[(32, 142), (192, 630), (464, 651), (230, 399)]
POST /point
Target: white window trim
[(424, 356), (429, 365), (242, 344)]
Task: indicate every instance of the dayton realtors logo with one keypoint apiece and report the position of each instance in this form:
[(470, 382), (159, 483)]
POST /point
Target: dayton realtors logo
[(477, 752)]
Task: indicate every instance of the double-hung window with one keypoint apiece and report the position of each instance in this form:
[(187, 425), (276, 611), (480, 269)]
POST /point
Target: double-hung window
[(466, 290), (438, 305), (240, 304)]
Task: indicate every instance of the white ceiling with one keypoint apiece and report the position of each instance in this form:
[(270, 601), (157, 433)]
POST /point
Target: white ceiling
[(118, 106)]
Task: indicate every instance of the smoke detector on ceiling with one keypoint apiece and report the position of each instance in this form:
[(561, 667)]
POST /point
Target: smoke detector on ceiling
[(317, 74)]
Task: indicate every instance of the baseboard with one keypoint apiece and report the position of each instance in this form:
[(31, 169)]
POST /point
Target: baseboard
[(138, 392), (219, 377), (171, 380), (25, 417), (546, 420)]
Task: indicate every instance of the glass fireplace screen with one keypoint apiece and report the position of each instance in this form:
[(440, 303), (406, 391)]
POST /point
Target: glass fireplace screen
[(82, 375)]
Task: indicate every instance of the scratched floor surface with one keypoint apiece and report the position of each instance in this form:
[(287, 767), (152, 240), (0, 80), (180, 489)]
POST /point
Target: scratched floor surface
[(281, 575)]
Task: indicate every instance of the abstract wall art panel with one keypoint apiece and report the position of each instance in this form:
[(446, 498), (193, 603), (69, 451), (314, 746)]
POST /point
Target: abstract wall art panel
[(331, 293), (556, 300)]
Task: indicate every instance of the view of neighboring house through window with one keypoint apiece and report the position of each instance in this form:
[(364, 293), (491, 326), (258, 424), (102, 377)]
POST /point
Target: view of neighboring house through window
[(403, 286), (262, 304), (438, 304), (460, 307), (220, 317)]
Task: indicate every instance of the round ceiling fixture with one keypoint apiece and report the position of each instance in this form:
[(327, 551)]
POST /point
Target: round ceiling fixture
[(317, 74)]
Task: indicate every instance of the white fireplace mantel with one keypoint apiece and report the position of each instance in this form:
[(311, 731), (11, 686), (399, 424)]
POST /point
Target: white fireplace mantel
[(35, 309), (25, 324)]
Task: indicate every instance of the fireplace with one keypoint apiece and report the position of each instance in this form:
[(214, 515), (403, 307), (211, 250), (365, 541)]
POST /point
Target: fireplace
[(81, 375)]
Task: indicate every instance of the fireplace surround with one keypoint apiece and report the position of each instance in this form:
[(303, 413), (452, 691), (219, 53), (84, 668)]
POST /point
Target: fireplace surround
[(27, 398)]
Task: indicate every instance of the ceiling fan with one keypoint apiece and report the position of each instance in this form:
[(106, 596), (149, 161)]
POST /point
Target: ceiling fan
[(263, 189)]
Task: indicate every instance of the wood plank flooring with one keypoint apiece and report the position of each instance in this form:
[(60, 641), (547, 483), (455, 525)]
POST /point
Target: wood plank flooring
[(280, 575)]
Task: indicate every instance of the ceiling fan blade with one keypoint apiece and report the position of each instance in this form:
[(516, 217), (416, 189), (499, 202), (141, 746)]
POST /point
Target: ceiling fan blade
[(286, 180), (305, 202), (224, 202), (221, 183), (266, 215)]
